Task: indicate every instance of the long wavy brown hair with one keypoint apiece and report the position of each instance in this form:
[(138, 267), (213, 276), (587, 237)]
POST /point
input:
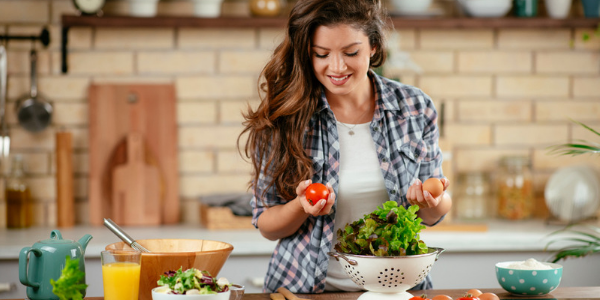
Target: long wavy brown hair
[(290, 92)]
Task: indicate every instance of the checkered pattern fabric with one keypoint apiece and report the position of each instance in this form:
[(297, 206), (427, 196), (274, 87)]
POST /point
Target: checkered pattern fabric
[(405, 133)]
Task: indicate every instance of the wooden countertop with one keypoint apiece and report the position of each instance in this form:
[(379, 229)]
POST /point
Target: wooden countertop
[(566, 293)]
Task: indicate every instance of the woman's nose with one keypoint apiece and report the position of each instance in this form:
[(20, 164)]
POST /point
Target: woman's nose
[(337, 63)]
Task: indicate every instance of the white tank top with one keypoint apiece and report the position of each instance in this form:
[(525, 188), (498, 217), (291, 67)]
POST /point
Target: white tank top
[(361, 190)]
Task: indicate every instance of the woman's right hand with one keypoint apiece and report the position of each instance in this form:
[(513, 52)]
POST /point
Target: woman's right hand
[(323, 207)]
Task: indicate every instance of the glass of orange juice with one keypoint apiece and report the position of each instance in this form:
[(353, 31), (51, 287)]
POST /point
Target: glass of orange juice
[(121, 274)]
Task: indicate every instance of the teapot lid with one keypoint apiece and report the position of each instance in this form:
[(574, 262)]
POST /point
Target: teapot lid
[(56, 238)]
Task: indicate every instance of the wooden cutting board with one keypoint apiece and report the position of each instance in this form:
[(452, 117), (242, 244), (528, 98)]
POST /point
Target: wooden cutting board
[(136, 186), (124, 113)]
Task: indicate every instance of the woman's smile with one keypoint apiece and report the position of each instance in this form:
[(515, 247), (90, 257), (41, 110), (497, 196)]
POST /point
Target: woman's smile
[(339, 80)]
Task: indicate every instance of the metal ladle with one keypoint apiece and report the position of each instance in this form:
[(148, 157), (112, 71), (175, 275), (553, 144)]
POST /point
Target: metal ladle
[(33, 112)]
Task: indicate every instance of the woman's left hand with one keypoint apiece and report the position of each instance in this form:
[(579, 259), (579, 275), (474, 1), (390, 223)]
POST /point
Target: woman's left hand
[(417, 196)]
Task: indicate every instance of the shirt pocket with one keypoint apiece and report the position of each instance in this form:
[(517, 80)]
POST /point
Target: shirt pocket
[(412, 154)]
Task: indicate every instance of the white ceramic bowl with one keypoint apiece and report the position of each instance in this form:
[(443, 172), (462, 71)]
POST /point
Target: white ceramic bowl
[(528, 282), (207, 8), (486, 8), (218, 296), (411, 6), (142, 8)]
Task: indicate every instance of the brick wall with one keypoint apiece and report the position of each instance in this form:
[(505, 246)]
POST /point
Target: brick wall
[(506, 91)]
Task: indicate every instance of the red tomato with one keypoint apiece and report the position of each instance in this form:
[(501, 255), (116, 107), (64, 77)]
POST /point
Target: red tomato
[(422, 297), (316, 192)]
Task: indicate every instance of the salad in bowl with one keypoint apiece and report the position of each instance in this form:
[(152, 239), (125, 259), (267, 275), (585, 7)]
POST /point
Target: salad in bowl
[(191, 283)]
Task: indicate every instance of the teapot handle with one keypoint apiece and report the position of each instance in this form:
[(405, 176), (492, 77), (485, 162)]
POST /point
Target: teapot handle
[(23, 262)]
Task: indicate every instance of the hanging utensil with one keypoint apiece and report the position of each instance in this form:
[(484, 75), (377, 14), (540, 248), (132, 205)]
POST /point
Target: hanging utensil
[(123, 236), (4, 138), (33, 112)]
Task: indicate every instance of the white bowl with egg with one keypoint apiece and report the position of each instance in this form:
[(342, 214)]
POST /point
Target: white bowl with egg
[(529, 277)]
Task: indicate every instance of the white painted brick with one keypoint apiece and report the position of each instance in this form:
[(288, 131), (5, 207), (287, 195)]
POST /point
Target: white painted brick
[(448, 39), (269, 38), (92, 63), (176, 62), (62, 88), (196, 161), (243, 62), (70, 113), (211, 87), (216, 38), (534, 38), (532, 86), (586, 86), (134, 38), (495, 61), (454, 86), (24, 11), (233, 162), (494, 111), (531, 135), (220, 137), (581, 111), (568, 62), (201, 185), (486, 159), (196, 113), (21, 139)]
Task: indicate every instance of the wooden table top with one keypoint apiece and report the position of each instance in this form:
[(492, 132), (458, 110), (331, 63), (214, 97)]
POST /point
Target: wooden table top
[(564, 293)]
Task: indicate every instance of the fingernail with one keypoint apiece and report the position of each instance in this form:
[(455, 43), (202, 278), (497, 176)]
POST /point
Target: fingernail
[(308, 182), (426, 194), (323, 202), (328, 184), (418, 182)]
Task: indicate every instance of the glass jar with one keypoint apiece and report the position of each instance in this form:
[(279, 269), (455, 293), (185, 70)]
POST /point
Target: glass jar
[(515, 188), (18, 196), (472, 196)]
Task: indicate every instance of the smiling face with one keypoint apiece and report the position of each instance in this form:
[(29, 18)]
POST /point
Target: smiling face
[(340, 58)]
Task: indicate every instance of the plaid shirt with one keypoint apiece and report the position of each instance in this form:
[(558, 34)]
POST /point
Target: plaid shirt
[(405, 134)]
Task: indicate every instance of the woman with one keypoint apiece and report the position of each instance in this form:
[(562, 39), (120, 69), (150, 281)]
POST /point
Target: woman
[(326, 117)]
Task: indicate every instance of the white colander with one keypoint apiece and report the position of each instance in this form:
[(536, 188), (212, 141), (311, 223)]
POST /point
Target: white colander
[(387, 276)]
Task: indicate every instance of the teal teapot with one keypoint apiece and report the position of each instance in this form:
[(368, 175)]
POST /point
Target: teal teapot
[(45, 260)]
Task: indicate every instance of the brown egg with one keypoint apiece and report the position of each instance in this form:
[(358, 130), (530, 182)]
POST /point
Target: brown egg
[(474, 292), (488, 296), (433, 186)]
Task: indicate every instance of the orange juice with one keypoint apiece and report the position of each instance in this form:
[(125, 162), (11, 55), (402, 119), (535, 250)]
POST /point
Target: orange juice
[(121, 280)]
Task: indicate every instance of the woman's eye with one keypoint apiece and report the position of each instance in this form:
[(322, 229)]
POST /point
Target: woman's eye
[(352, 54), (320, 56)]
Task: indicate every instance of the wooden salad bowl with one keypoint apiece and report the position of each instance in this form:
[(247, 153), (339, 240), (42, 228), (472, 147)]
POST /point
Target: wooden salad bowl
[(172, 254)]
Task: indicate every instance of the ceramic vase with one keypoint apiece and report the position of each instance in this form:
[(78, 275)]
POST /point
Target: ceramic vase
[(558, 9), (265, 8), (591, 8)]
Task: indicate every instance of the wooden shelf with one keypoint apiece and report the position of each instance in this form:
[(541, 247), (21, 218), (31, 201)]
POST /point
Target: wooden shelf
[(399, 22), (68, 21)]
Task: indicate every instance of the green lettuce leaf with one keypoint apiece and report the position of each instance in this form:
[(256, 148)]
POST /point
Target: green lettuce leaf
[(390, 230)]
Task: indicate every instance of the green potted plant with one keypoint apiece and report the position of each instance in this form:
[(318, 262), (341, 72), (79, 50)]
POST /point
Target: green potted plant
[(583, 239)]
